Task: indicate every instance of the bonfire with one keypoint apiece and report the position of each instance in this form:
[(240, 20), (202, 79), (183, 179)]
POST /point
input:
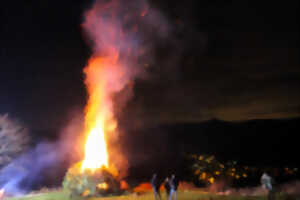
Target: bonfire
[(104, 76), (95, 175), (111, 69)]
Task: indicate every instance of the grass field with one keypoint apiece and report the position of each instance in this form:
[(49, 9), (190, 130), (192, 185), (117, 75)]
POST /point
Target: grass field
[(187, 195)]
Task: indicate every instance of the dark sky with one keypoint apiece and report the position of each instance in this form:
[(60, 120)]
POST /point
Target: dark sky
[(229, 61)]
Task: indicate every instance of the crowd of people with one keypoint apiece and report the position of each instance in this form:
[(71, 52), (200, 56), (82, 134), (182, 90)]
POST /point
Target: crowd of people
[(170, 184)]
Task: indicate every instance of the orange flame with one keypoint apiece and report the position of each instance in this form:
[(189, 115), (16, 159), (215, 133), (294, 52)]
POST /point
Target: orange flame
[(95, 149), (103, 186), (109, 71), (99, 116)]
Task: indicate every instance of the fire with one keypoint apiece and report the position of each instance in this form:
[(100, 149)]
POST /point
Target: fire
[(111, 69), (99, 117), (103, 186), (95, 149)]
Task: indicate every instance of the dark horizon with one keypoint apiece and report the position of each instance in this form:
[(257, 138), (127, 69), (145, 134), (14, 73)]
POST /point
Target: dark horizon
[(245, 142)]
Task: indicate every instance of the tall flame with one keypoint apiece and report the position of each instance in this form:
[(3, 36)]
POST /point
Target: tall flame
[(95, 149), (99, 116), (114, 65)]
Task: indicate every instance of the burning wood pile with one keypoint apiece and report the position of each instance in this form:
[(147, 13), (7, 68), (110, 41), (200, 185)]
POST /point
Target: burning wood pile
[(91, 183), (106, 74)]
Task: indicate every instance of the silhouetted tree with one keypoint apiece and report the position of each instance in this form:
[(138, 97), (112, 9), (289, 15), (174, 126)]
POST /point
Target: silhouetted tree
[(13, 139)]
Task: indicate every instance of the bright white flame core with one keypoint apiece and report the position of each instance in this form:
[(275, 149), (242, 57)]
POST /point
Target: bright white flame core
[(95, 149)]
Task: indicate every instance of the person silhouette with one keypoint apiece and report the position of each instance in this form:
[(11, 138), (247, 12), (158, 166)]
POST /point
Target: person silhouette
[(268, 183), (173, 187), (167, 187), (156, 186)]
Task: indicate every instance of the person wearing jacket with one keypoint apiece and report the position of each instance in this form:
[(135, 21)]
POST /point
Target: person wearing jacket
[(156, 186), (173, 187)]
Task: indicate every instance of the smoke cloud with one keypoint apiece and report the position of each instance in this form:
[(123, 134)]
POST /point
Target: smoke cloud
[(121, 34), (43, 163)]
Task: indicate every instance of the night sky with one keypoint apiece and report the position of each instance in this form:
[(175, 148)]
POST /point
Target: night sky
[(230, 62)]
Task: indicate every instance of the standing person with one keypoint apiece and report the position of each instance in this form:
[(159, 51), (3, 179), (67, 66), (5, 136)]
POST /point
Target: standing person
[(267, 183), (167, 187), (173, 187), (155, 185)]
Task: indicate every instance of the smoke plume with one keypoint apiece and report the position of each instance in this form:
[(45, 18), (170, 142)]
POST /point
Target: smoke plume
[(121, 35), (44, 162)]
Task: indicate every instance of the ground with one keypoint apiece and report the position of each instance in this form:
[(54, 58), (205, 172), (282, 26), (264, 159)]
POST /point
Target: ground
[(182, 195)]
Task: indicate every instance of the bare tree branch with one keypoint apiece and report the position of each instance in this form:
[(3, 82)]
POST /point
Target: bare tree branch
[(13, 139)]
